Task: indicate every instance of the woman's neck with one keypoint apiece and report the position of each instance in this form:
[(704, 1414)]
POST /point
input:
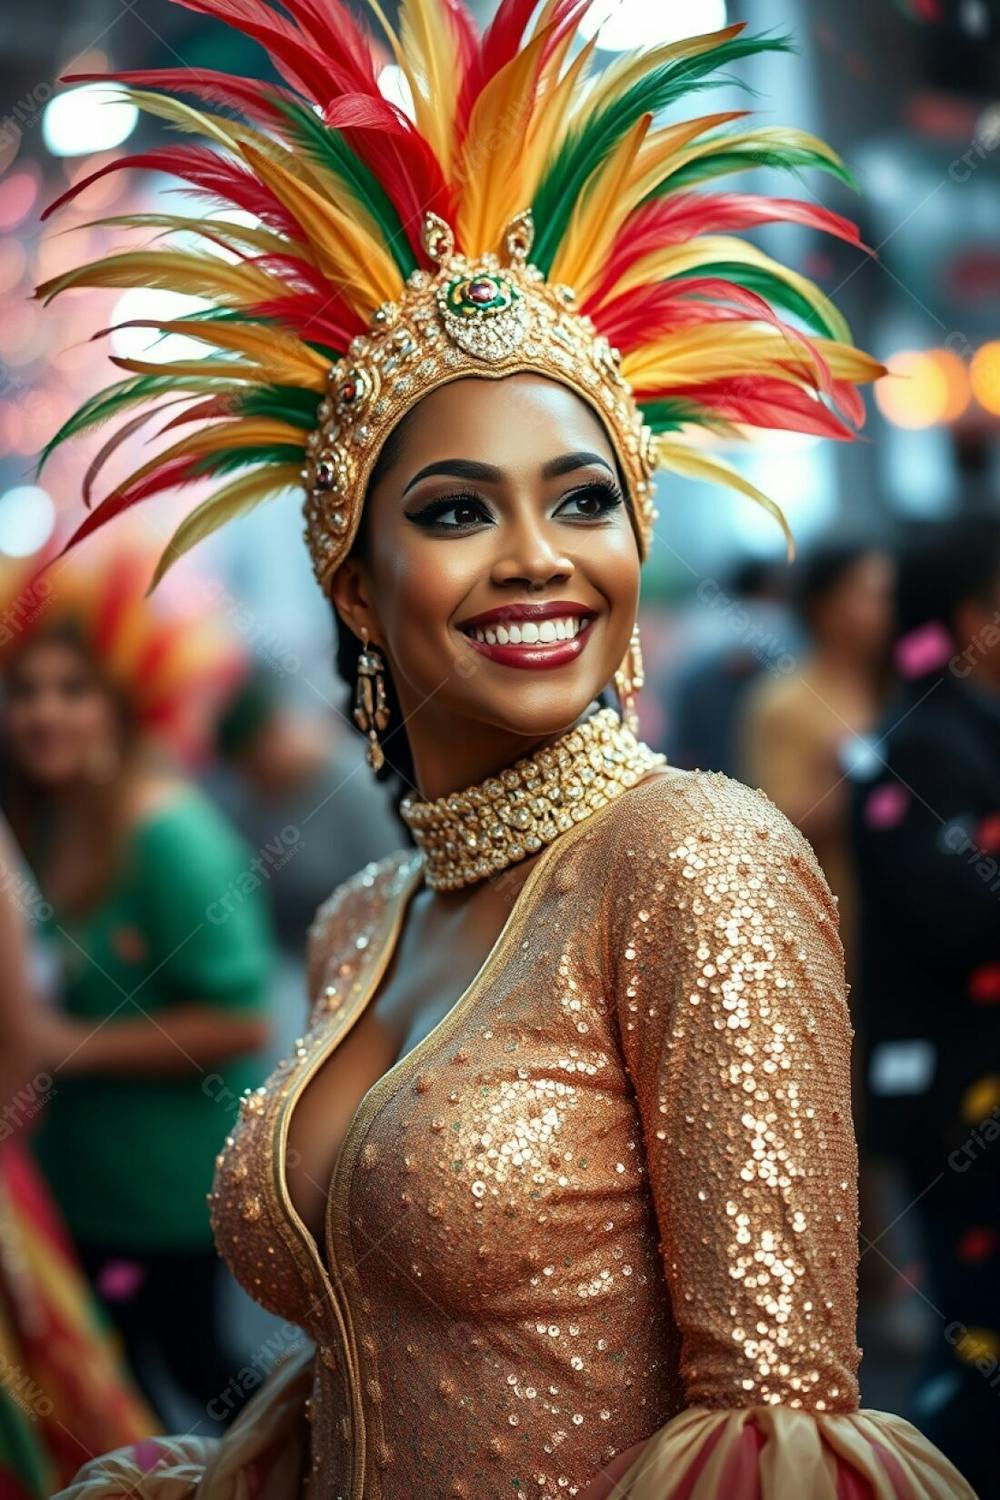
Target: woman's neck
[(448, 757)]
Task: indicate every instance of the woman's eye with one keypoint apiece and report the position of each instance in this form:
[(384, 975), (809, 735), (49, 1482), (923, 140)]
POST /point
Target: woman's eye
[(595, 500), (467, 509)]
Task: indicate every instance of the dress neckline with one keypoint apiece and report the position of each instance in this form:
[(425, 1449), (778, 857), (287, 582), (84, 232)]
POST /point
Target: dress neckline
[(370, 1102)]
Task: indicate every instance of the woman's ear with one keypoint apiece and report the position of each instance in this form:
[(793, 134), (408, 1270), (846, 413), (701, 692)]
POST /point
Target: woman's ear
[(350, 594)]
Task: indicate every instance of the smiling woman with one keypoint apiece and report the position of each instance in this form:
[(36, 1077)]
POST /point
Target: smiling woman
[(561, 1177), (447, 538)]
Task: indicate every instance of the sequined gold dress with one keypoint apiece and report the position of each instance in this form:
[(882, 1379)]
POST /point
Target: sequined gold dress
[(610, 1197)]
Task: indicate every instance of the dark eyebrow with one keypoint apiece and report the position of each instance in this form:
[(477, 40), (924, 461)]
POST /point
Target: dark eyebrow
[(571, 461), (462, 468)]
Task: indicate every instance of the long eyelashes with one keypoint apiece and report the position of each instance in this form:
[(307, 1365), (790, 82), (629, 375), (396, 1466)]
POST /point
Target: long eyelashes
[(606, 492)]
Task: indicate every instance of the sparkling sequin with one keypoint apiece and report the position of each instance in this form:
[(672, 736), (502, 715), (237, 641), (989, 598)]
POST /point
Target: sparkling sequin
[(620, 1180)]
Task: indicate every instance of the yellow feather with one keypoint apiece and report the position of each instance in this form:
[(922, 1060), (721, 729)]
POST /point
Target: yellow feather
[(234, 499), (849, 363), (350, 258), (219, 437), (716, 351), (595, 222), (632, 67), (691, 464), (548, 125), (770, 137), (276, 371), (659, 151), (236, 136), (429, 42), (263, 343), (234, 236), (176, 270), (191, 120), (489, 169), (707, 249)]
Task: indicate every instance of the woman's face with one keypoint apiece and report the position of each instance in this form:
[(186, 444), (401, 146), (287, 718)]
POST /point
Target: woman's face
[(503, 500), (60, 719), (857, 612)]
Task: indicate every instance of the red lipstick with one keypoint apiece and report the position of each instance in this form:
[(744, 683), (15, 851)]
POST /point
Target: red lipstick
[(539, 655)]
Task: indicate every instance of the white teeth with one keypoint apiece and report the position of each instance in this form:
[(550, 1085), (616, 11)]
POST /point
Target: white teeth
[(528, 633)]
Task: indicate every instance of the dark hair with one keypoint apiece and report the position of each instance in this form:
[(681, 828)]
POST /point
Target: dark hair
[(824, 567), (398, 770), (945, 564), (253, 705)]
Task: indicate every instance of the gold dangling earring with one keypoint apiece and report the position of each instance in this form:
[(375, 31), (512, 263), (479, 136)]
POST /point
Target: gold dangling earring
[(371, 708), (628, 680)]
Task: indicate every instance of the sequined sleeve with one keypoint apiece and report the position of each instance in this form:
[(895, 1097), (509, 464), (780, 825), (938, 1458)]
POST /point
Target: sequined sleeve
[(736, 1033)]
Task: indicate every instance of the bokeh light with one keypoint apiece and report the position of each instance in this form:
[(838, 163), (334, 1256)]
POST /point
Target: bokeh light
[(985, 376), (18, 192), (27, 517), (156, 305), (641, 23), (931, 386), (90, 118)]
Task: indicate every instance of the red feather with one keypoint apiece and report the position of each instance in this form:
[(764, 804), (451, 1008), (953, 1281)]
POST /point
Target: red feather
[(246, 94), (760, 401), (635, 317), (677, 219), (334, 31), (307, 314), (207, 411), (209, 173), (314, 305), (502, 41), (300, 63), (124, 432), (499, 43), (177, 472)]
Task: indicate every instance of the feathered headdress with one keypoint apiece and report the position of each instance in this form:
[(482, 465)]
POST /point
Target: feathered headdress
[(171, 660), (528, 217)]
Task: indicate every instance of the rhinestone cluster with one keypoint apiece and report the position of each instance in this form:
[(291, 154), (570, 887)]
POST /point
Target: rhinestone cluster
[(466, 836), (467, 319)]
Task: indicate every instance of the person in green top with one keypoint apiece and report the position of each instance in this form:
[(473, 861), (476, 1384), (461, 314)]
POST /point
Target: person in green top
[(151, 902)]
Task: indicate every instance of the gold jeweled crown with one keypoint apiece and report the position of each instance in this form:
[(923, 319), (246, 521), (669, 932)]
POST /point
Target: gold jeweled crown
[(486, 318)]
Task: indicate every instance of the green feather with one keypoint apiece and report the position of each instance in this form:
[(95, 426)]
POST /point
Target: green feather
[(587, 148), (329, 149), (744, 158), (242, 458), (670, 415), (772, 289), (285, 403), (104, 404)]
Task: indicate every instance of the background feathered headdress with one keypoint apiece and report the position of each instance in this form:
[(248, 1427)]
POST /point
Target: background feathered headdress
[(171, 659), (333, 183)]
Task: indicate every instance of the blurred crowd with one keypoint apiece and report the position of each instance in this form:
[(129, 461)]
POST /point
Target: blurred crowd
[(173, 816)]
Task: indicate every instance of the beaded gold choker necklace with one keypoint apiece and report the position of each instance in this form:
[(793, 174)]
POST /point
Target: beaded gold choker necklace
[(468, 835)]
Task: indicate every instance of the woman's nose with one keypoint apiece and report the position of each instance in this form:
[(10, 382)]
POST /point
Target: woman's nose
[(529, 554)]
